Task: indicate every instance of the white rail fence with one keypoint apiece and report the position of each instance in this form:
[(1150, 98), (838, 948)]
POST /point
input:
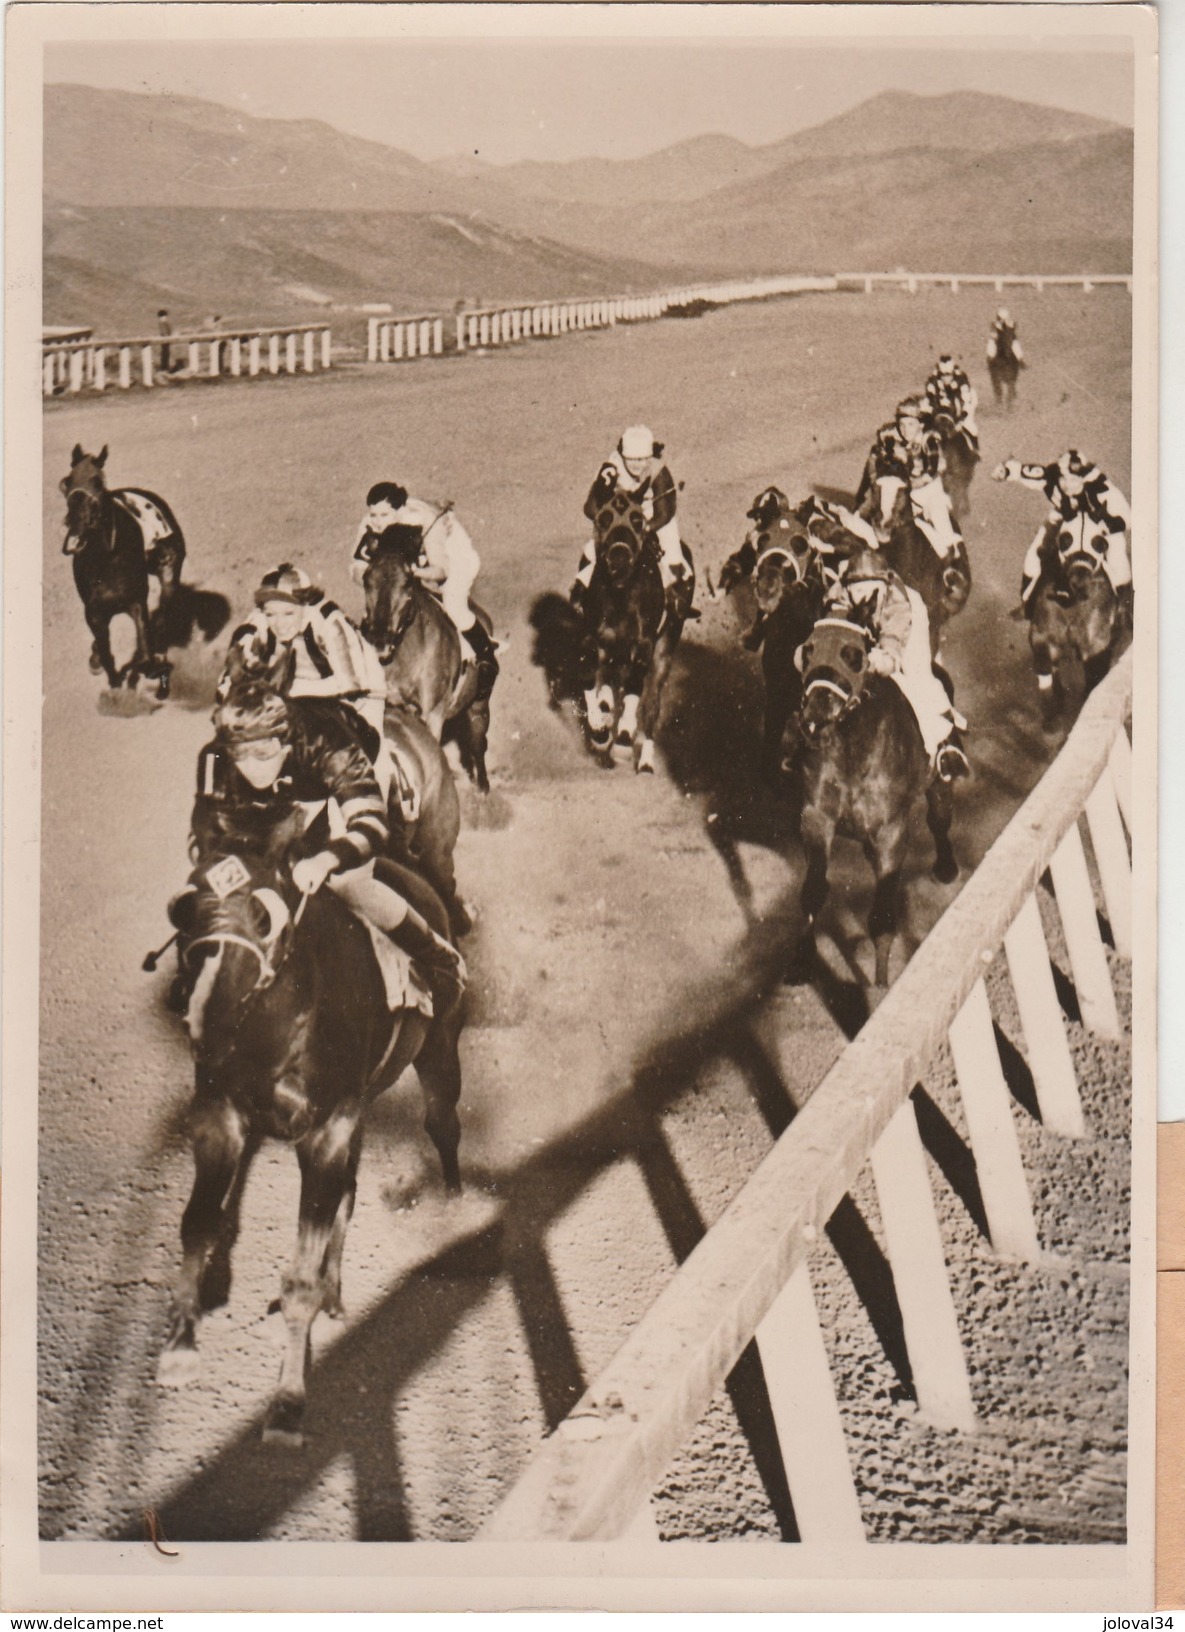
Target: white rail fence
[(748, 1278), (398, 339), (86, 363), (913, 281)]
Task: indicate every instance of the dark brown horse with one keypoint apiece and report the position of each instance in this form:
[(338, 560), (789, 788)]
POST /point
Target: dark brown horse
[(421, 651), (943, 583), (630, 631), (960, 457), (293, 1038), (1074, 614), (1004, 366), (425, 806), (863, 765), (105, 536)]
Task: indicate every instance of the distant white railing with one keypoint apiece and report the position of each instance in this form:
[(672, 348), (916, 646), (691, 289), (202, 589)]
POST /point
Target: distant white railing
[(399, 339), (86, 363), (748, 1278), (913, 281)]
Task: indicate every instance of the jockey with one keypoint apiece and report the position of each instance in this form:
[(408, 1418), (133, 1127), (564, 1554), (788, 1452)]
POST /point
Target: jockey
[(911, 451), (871, 594), (1003, 329), (271, 755), (306, 646), (634, 469), (949, 391), (1074, 487), (448, 564)]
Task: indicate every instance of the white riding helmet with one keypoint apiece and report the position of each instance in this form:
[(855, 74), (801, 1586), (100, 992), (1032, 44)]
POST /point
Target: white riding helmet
[(1003, 315), (638, 443), (946, 363)]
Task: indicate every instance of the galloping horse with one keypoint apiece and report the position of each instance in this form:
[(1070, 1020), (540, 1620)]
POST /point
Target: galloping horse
[(420, 649), (293, 1037), (960, 457), (943, 584), (430, 811), (1073, 613), (631, 630), (862, 766), (1004, 367), (116, 538)]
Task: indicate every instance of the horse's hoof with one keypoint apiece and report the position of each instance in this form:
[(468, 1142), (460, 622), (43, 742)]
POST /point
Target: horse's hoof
[(600, 741), (177, 1368), (283, 1424), (645, 765), (945, 872), (162, 687), (95, 663), (333, 1307)]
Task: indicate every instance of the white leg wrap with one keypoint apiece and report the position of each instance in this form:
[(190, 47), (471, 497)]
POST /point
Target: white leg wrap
[(1045, 682), (627, 725)]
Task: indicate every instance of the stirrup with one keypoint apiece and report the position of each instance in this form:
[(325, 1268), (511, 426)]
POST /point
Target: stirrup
[(950, 762)]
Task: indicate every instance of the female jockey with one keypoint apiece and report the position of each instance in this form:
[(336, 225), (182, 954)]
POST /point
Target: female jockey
[(910, 452), (1074, 487), (272, 755), (870, 594), (634, 468), (448, 564), (306, 646)]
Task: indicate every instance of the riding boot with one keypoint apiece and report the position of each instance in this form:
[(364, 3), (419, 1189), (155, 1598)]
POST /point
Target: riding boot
[(484, 650), (440, 962)]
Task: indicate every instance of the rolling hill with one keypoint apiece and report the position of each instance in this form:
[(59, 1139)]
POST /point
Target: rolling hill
[(153, 200)]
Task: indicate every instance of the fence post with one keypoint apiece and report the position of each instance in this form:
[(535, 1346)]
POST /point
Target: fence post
[(410, 336), (1041, 1021), (919, 1273), (1088, 961), (253, 355), (47, 374), (437, 337), (273, 353), (308, 351), (215, 361), (326, 347), (77, 367), (125, 368), (1110, 853), (810, 1432), (994, 1144), (101, 369), (290, 353), (372, 339), (236, 356), (195, 356)]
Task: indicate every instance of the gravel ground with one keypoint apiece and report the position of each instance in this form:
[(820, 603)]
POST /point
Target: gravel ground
[(619, 1083)]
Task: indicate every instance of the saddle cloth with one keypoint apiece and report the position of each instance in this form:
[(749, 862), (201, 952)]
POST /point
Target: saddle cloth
[(153, 525), (404, 985)]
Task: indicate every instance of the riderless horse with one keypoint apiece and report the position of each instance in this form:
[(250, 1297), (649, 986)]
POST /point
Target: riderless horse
[(631, 627), (1074, 613), (862, 765), (960, 457), (293, 1037), (117, 537), (420, 649)]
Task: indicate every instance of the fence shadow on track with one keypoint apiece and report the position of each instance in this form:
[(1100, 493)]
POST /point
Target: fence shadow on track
[(245, 1490)]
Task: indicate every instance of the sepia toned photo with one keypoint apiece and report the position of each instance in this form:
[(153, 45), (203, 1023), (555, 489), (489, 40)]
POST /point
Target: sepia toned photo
[(580, 806)]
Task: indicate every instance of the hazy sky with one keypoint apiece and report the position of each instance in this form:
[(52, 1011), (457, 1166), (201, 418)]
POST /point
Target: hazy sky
[(537, 98)]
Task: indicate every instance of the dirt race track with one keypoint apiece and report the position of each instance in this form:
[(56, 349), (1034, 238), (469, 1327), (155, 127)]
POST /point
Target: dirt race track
[(630, 1051)]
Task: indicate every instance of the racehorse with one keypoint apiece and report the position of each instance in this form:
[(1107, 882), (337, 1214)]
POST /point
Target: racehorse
[(943, 583), (430, 810), (1074, 613), (862, 765), (631, 630), (293, 1037), (960, 457), (116, 538), (420, 649), (1004, 367)]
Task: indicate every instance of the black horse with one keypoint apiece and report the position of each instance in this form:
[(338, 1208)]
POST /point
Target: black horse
[(960, 456), (631, 628), (292, 1038), (862, 765), (1004, 367), (944, 584), (1074, 614), (105, 535)]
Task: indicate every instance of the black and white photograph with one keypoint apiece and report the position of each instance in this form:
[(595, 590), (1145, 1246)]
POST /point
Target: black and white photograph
[(580, 838)]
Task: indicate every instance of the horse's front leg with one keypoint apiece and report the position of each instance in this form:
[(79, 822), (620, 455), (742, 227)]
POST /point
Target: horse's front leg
[(783, 694), (651, 675), (940, 804), (886, 853), (1046, 660), (98, 621), (146, 661), (219, 1141), (325, 1166), (817, 833), (599, 700)]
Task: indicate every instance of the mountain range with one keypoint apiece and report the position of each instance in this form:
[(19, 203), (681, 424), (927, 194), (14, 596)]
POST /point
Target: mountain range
[(163, 200)]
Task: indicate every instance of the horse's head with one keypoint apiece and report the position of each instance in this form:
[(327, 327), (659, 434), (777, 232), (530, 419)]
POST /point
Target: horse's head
[(236, 920), (891, 497), (784, 560), (770, 505), (390, 583), (834, 669), (619, 552), (1081, 552), (85, 492)]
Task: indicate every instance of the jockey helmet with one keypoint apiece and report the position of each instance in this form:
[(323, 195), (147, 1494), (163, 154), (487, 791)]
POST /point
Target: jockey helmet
[(638, 443), (865, 566), (1072, 463), (285, 583), (946, 363), (252, 712), (1003, 315), (387, 493), (910, 408)]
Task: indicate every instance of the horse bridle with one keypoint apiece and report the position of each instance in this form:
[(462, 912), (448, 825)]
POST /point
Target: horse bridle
[(93, 515), (264, 954)]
